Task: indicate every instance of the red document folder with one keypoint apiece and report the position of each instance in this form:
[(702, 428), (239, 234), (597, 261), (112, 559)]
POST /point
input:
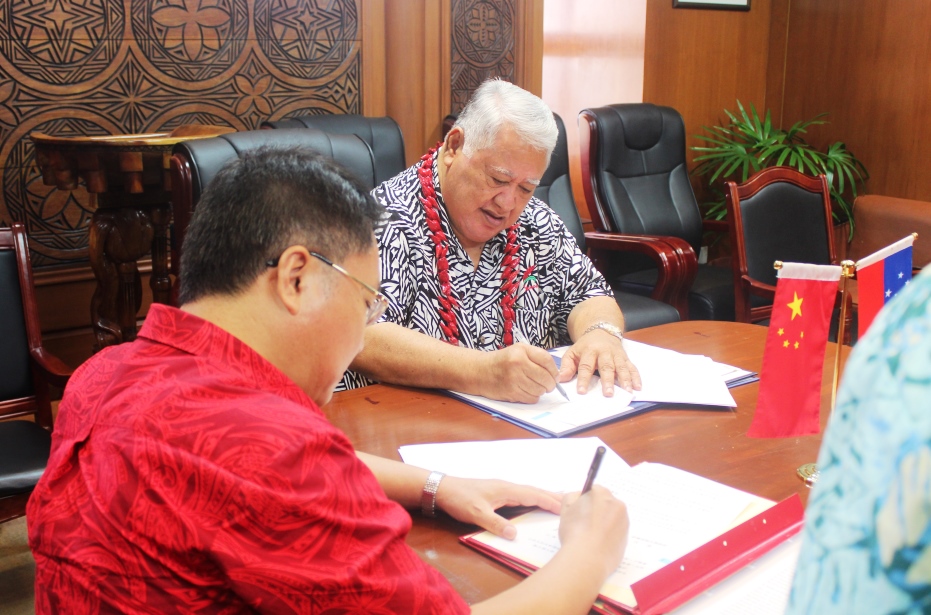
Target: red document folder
[(695, 572)]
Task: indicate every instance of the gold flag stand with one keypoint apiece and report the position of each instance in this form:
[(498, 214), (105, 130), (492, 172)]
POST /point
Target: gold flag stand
[(808, 472)]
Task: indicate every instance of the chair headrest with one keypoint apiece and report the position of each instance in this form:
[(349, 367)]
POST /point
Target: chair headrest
[(559, 161), (208, 156), (643, 126), (381, 133), (640, 138)]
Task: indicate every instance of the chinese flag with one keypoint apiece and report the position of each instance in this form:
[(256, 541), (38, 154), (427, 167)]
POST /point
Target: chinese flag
[(880, 276), (790, 381)]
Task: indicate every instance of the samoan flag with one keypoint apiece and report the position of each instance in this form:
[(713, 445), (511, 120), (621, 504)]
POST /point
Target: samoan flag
[(880, 276)]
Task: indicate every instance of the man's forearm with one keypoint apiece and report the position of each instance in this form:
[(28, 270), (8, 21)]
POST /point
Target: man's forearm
[(401, 482), (397, 355), (592, 311)]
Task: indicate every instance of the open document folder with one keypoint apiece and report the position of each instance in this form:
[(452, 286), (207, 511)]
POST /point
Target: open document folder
[(667, 376), (687, 533)]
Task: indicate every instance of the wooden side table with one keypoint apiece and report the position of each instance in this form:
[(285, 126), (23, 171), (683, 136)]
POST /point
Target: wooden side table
[(129, 176)]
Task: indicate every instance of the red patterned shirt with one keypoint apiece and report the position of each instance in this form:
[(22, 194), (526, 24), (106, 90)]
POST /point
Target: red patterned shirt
[(189, 475)]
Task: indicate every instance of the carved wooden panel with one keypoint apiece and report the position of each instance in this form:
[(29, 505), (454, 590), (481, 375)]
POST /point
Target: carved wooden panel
[(483, 37), (133, 66)]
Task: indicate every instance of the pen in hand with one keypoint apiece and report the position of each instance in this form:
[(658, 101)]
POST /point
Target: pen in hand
[(520, 339), (562, 391), (593, 470)]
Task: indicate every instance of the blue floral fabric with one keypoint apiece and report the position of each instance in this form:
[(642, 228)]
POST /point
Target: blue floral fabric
[(867, 537)]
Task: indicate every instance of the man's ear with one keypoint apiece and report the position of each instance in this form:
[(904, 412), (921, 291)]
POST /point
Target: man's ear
[(455, 140), (294, 275)]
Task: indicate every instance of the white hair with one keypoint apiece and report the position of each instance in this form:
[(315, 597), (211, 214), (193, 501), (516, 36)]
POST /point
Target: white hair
[(496, 104)]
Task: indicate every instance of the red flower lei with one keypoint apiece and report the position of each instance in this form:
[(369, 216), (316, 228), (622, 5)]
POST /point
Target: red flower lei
[(448, 301)]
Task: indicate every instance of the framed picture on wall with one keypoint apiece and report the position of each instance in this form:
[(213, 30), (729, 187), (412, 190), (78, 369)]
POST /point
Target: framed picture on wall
[(727, 5)]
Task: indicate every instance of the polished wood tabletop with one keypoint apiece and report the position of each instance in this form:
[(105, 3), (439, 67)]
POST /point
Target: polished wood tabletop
[(709, 442)]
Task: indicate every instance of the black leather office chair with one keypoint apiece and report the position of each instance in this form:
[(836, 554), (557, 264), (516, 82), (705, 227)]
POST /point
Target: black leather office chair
[(555, 189), (382, 134), (636, 183), (194, 163), (26, 372)]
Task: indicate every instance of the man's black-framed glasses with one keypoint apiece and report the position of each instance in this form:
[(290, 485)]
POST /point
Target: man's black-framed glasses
[(374, 308)]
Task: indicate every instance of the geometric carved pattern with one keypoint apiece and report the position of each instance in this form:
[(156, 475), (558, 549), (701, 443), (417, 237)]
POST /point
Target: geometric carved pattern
[(483, 45), (310, 42), (81, 67), (60, 43), (193, 42)]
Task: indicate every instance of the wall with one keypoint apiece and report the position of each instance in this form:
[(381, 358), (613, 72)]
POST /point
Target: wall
[(861, 62), (701, 61), (865, 63), (593, 55), (134, 66), (439, 51)]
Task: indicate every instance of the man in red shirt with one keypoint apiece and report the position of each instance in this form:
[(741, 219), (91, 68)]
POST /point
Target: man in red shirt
[(193, 471)]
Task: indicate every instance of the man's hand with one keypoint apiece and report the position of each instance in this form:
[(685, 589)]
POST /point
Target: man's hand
[(601, 351), (596, 523), (520, 373), (475, 501)]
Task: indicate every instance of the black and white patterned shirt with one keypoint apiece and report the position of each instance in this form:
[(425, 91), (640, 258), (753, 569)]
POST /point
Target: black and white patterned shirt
[(561, 276)]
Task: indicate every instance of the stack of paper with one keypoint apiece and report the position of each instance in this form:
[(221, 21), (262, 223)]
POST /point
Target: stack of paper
[(673, 514), (667, 377), (555, 465)]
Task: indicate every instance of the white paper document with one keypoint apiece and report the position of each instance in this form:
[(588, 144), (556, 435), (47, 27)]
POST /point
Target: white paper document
[(672, 377), (555, 465), (671, 511), (667, 377)]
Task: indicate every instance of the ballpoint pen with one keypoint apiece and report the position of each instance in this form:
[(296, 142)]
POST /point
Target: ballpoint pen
[(520, 339), (593, 470)]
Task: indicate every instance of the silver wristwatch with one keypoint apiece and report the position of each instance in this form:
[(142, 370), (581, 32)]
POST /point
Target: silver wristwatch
[(608, 327), (428, 496)]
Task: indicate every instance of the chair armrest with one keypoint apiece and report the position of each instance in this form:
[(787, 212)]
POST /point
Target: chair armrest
[(715, 226), (760, 289), (746, 312), (53, 370), (675, 260)]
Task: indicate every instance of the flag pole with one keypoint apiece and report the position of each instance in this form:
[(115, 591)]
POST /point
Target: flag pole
[(808, 472), (848, 268)]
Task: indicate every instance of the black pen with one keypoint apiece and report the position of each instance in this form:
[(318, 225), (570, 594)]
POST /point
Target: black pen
[(593, 470)]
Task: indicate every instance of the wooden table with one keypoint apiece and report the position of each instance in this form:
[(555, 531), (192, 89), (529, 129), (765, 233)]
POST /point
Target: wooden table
[(713, 443), (128, 176)]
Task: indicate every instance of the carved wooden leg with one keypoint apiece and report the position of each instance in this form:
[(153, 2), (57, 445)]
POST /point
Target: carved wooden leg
[(119, 237), (160, 280), (104, 301)]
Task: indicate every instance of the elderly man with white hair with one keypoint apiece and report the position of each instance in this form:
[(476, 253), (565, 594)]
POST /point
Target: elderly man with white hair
[(480, 276)]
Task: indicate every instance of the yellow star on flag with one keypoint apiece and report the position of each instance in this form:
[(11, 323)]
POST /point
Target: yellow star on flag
[(780, 331), (796, 345), (795, 306), (785, 344)]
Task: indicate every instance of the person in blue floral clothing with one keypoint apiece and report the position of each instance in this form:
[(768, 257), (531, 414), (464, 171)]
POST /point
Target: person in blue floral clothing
[(867, 538)]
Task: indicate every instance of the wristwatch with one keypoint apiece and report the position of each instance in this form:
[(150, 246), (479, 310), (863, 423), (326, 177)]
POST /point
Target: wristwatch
[(608, 327), (428, 496)]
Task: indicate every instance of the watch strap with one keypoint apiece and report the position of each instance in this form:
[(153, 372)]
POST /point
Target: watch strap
[(607, 327), (428, 495)]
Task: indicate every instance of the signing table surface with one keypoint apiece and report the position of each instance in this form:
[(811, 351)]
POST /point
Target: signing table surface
[(709, 442)]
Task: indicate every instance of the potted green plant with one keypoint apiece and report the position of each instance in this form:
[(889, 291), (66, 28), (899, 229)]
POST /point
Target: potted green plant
[(748, 144)]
